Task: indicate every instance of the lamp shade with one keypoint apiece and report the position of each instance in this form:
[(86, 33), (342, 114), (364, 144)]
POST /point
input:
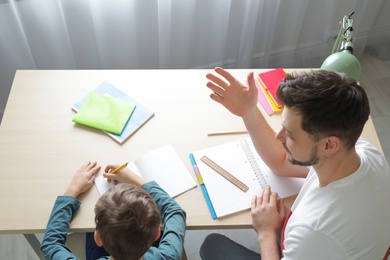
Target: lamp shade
[(343, 61)]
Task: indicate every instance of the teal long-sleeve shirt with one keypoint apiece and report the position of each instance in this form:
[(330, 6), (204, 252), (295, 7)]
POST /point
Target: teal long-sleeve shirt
[(171, 243)]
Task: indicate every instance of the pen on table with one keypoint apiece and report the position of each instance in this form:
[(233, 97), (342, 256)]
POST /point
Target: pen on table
[(196, 170), (119, 168), (227, 133), (203, 187)]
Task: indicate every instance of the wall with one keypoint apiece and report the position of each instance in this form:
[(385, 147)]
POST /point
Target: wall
[(75, 34)]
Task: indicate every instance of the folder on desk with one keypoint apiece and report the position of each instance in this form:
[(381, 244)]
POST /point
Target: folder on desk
[(138, 118), (105, 113)]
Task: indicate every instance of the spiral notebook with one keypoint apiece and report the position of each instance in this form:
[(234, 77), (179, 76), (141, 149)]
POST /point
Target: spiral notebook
[(241, 160)]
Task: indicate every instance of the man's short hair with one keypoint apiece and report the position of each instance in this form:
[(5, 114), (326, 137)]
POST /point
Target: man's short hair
[(127, 220), (330, 103)]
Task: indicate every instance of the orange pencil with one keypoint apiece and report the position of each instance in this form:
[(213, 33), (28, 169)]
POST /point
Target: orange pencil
[(119, 168)]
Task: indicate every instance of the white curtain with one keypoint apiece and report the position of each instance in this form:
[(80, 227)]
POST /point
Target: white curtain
[(184, 34)]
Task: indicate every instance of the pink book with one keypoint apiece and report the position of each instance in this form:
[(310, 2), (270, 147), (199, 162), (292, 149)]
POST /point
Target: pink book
[(262, 99), (271, 80)]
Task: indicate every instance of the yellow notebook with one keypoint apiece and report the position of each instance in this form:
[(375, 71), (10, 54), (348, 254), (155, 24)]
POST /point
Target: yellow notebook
[(105, 113), (270, 100)]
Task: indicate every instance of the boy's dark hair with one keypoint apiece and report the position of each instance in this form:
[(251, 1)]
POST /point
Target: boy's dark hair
[(127, 220), (330, 103)]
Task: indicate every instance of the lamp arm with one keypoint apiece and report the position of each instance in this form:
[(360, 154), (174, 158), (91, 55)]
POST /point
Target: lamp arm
[(339, 40), (342, 59), (345, 33)]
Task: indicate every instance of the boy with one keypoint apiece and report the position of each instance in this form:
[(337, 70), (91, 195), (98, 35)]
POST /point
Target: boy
[(127, 218)]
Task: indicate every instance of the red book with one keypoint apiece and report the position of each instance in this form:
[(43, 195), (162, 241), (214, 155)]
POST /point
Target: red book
[(271, 80)]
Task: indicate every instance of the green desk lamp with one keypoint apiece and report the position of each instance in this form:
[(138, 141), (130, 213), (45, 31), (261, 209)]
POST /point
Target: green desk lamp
[(342, 59)]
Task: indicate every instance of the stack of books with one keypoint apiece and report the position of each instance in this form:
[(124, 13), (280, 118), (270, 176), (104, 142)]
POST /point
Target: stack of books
[(109, 109), (267, 84)]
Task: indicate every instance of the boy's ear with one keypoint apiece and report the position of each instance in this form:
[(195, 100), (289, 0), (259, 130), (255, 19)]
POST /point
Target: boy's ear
[(97, 238), (158, 234)]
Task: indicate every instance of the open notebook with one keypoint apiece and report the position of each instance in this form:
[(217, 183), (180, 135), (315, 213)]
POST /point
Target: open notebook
[(162, 165), (241, 160)]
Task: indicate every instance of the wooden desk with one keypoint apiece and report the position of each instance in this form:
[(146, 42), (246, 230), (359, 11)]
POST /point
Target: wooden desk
[(41, 148)]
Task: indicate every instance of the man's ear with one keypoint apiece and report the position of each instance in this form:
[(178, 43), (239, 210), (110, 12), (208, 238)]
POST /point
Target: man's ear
[(332, 145), (158, 234), (97, 238)]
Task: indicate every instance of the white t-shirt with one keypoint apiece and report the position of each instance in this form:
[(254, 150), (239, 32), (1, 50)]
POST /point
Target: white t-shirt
[(347, 219)]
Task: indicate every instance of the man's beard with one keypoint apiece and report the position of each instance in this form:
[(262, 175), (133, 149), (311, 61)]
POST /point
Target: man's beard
[(312, 161)]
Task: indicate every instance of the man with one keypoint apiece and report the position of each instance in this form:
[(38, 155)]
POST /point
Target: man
[(343, 209)]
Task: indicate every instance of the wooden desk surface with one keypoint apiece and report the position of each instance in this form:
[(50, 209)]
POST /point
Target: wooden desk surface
[(41, 148)]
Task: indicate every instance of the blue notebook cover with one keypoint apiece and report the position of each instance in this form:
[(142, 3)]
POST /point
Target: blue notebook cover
[(139, 117)]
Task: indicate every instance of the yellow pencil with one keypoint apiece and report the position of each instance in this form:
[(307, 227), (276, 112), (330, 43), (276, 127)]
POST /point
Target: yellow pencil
[(119, 168), (227, 133)]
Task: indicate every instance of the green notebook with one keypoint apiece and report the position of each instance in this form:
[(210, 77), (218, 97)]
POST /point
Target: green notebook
[(105, 113)]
